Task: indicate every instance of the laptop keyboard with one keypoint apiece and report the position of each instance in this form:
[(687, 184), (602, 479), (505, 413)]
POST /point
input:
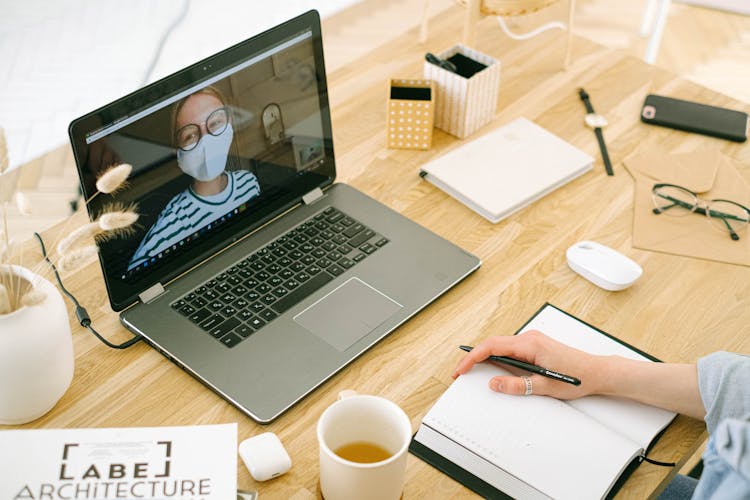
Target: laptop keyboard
[(254, 291)]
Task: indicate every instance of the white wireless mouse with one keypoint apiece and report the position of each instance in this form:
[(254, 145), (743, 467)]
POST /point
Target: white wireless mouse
[(603, 266)]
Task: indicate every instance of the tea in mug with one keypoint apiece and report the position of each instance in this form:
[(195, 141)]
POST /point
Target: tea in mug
[(363, 452)]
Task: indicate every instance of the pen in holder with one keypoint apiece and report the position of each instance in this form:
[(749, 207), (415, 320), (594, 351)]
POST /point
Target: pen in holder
[(466, 98), (411, 105)]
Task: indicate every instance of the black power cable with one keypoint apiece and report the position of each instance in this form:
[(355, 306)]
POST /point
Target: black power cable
[(81, 313)]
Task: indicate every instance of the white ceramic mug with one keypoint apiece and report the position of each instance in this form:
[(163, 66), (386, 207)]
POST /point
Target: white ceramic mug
[(362, 418)]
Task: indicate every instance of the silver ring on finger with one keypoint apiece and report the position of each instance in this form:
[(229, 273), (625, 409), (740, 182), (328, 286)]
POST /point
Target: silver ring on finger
[(529, 388)]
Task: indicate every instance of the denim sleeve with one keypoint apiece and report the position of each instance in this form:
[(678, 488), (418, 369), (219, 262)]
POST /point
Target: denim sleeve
[(726, 462), (724, 384)]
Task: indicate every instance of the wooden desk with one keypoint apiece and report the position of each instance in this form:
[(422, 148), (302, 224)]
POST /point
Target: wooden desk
[(680, 310)]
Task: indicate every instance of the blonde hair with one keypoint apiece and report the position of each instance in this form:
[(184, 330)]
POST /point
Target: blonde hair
[(210, 90)]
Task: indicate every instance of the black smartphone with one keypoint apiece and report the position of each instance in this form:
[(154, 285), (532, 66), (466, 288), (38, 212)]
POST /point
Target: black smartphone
[(694, 117)]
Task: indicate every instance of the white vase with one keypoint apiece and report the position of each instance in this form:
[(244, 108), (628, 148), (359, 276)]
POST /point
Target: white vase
[(36, 354)]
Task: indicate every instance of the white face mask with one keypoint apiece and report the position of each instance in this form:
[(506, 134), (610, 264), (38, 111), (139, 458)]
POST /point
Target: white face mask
[(207, 160)]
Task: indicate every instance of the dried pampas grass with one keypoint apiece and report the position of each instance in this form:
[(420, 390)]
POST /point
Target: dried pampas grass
[(113, 179), (74, 249), (33, 297), (3, 152), (117, 220), (77, 258), (5, 307), (80, 246), (6, 249), (23, 203), (84, 235)]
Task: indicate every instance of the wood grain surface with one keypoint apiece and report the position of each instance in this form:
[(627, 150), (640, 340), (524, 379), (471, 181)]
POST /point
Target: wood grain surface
[(680, 310)]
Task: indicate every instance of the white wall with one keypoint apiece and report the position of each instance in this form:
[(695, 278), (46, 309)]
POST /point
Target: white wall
[(62, 59)]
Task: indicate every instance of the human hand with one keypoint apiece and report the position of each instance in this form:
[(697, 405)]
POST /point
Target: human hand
[(536, 348)]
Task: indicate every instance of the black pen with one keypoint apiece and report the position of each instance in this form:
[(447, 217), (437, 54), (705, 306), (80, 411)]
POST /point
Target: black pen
[(529, 367), (443, 63)]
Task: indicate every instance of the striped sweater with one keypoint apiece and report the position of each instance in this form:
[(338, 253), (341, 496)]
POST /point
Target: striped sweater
[(188, 212)]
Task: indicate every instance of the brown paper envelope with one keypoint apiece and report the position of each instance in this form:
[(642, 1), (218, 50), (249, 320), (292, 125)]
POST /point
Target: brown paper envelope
[(695, 171), (712, 175)]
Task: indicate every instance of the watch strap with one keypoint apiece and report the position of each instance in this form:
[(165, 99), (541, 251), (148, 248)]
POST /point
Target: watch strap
[(586, 100), (603, 149), (598, 131)]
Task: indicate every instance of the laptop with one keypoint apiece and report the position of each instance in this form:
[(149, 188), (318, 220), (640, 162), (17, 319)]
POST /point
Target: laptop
[(250, 267)]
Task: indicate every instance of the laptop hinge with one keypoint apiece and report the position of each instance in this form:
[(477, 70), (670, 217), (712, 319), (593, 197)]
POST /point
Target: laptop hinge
[(312, 196), (148, 295)]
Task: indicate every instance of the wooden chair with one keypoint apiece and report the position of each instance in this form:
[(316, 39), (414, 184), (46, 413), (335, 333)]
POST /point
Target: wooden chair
[(500, 9), (652, 26)]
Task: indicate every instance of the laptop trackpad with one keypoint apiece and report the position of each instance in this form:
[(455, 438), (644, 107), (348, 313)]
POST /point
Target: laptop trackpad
[(347, 314)]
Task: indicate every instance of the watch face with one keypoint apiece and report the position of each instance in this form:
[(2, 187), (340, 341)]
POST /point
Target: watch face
[(595, 121)]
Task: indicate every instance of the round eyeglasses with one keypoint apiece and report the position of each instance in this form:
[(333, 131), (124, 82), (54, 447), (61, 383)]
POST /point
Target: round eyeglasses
[(189, 135), (677, 201)]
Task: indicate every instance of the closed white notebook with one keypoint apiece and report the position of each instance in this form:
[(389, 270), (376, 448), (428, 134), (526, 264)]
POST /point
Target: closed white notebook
[(506, 169), (537, 446)]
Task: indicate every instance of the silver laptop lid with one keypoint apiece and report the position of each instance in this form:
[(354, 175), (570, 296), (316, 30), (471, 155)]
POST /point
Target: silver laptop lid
[(217, 150)]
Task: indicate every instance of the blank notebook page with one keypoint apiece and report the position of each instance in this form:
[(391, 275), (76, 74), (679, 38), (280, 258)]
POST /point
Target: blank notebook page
[(540, 440)]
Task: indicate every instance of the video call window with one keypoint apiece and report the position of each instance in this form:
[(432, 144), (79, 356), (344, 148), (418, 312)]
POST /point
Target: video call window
[(212, 154)]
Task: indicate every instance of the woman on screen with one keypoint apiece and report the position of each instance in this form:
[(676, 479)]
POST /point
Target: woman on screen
[(203, 133)]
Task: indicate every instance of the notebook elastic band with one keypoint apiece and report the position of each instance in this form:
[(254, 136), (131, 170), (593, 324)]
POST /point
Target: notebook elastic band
[(656, 462)]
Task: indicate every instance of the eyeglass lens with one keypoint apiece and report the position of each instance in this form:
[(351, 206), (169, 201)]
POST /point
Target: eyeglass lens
[(727, 216), (673, 201), (189, 135)]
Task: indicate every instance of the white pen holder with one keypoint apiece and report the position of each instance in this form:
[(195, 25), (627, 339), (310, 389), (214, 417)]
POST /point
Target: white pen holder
[(464, 104)]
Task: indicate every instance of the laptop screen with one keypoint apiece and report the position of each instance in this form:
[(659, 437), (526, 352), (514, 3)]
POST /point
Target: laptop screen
[(217, 150)]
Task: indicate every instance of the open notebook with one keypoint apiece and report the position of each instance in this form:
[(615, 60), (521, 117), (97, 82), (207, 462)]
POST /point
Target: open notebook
[(537, 446)]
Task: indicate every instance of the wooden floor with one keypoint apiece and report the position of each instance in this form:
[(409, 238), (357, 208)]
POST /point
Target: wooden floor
[(708, 46)]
